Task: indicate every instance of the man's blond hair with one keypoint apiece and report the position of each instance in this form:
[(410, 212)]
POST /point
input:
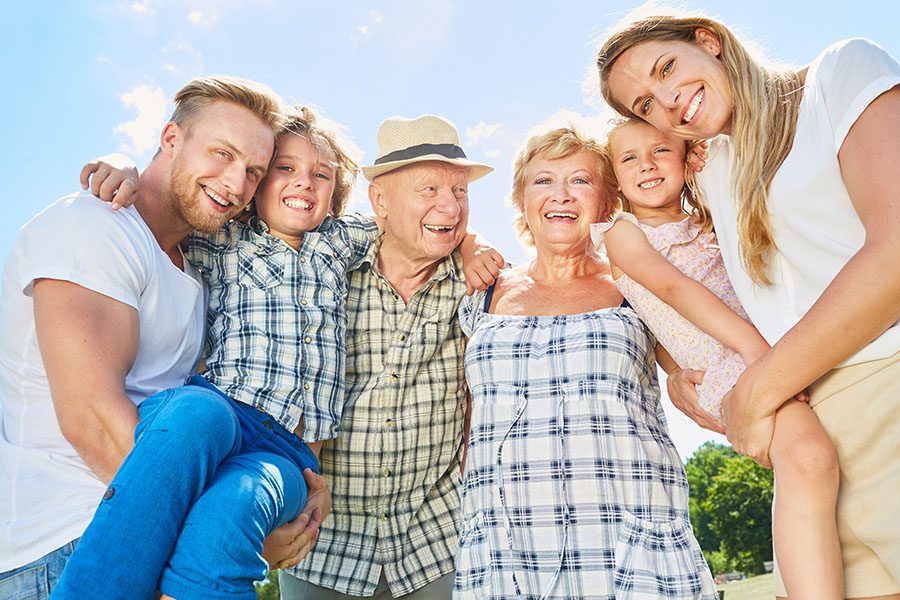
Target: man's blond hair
[(203, 91)]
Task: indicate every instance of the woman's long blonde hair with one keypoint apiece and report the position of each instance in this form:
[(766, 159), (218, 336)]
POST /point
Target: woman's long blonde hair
[(766, 107)]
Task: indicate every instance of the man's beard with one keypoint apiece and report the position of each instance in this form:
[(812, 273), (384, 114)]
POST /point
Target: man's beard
[(187, 197)]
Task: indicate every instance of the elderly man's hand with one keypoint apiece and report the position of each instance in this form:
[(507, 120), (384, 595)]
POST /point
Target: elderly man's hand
[(289, 544), (481, 263), (682, 387)]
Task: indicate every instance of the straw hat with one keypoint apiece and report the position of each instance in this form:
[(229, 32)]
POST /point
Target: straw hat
[(404, 141)]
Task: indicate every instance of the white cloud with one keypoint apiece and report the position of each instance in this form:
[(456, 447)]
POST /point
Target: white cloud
[(149, 101), (180, 58), (365, 30), (493, 153), (594, 126), (480, 132)]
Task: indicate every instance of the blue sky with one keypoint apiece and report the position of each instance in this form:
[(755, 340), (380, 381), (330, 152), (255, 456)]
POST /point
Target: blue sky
[(85, 78)]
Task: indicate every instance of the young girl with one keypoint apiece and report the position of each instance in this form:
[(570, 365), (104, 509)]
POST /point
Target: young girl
[(666, 262), (218, 464)]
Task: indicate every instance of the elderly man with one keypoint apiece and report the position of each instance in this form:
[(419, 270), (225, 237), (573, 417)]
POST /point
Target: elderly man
[(394, 470), (100, 310)]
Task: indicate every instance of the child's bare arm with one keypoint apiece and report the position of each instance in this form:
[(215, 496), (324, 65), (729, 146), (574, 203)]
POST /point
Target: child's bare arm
[(630, 250), (112, 178)]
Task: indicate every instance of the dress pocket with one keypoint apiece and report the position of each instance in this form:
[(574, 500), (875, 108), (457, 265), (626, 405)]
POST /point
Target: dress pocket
[(659, 560), (473, 567)]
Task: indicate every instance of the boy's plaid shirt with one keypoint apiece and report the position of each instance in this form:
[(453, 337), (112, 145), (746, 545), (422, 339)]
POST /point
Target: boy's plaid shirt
[(277, 317)]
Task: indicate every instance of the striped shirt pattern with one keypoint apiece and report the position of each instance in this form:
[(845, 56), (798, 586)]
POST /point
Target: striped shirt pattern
[(394, 470), (277, 317)]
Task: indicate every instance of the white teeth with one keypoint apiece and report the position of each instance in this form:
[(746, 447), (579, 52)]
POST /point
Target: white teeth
[(438, 227), (219, 199), (650, 184), (692, 109), (298, 203), (568, 215)]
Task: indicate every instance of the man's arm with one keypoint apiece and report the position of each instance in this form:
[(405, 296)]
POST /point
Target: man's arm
[(88, 344)]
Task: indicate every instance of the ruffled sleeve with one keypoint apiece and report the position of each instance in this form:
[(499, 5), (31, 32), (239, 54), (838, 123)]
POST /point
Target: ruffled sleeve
[(598, 230)]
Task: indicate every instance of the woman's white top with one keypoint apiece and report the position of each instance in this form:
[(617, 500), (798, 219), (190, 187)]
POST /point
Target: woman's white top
[(816, 228)]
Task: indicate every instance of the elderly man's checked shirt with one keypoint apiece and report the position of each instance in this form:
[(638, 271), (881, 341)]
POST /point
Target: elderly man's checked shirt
[(394, 471)]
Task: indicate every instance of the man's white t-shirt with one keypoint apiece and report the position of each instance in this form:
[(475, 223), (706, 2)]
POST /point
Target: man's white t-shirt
[(47, 494), (816, 229)]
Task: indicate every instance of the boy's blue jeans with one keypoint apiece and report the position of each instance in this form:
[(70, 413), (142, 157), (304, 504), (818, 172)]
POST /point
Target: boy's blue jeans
[(207, 480)]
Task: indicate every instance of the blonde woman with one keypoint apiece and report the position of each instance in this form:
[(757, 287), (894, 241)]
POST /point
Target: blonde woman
[(801, 189), (573, 488)]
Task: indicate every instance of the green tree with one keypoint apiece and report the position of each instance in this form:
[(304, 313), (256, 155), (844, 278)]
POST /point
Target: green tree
[(269, 589), (703, 465), (738, 503)]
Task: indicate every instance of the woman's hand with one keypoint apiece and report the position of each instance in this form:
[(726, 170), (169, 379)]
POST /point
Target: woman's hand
[(682, 387), (289, 544), (112, 178), (749, 426)]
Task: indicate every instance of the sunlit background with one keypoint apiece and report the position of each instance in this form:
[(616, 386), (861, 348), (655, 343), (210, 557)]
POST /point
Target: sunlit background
[(82, 79)]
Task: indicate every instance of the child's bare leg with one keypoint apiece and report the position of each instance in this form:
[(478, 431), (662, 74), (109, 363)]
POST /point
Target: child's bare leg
[(804, 524)]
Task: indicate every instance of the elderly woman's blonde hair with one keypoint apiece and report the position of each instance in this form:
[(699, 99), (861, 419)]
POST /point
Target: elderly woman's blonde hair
[(554, 145), (328, 139), (766, 107)]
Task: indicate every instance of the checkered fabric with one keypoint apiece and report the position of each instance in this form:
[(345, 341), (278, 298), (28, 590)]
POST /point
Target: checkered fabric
[(573, 488), (277, 317), (394, 470)]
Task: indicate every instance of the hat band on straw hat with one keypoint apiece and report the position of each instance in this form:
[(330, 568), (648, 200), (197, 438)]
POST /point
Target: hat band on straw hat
[(445, 150)]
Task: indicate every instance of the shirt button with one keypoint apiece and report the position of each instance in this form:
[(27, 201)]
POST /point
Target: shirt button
[(109, 493), (304, 302), (307, 339), (401, 337), (386, 471), (302, 260), (394, 377), (396, 297), (389, 423), (267, 424), (306, 386), (383, 517)]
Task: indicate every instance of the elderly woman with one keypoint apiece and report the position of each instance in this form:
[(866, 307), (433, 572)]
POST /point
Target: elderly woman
[(572, 487), (802, 189)]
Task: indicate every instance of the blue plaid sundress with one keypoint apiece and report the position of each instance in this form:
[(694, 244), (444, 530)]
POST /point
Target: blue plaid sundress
[(573, 488)]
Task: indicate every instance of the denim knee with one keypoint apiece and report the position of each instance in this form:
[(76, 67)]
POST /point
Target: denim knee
[(190, 409)]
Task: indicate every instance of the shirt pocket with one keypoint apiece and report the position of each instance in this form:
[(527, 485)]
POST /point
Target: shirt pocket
[(257, 267)]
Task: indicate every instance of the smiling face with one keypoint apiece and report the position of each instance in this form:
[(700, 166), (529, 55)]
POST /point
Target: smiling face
[(216, 164), (679, 87), (649, 168), (296, 194), (424, 208), (562, 198)]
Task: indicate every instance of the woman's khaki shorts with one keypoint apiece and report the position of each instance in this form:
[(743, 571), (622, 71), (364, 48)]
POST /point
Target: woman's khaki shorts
[(859, 407)]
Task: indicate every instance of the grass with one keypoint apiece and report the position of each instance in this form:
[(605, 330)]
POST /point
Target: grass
[(755, 588)]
